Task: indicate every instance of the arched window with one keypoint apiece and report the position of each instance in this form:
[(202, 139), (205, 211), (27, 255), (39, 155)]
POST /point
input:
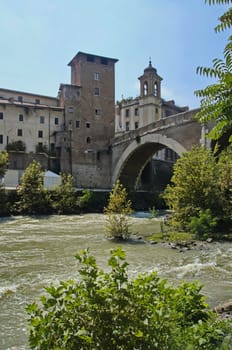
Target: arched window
[(145, 89), (88, 139), (156, 89)]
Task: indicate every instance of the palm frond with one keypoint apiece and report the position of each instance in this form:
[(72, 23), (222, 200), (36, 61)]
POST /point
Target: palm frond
[(218, 2)]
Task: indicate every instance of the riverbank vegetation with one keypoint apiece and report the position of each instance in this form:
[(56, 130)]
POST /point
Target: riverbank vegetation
[(102, 310), (199, 198), (117, 213), (200, 194), (32, 198)]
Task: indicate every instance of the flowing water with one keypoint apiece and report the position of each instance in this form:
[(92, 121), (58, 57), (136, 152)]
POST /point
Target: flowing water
[(37, 251)]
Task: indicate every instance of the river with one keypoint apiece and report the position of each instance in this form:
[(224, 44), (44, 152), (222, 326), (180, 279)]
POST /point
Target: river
[(37, 251)]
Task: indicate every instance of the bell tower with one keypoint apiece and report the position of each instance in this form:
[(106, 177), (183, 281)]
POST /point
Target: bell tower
[(150, 95), (150, 82)]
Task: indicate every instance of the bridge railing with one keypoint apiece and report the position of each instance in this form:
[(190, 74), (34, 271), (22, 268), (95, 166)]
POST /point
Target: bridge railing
[(173, 120)]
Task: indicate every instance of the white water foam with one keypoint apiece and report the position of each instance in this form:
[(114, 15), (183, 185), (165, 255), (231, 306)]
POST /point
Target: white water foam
[(193, 269), (6, 291)]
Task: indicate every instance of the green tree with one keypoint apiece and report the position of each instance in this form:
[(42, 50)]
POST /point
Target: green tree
[(3, 197), (200, 192), (64, 196), (107, 310), (225, 185), (216, 101), (3, 162), (194, 186), (84, 201), (117, 211), (33, 198), (202, 226)]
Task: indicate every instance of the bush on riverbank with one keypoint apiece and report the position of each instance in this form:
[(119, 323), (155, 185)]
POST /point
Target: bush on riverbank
[(86, 201), (107, 310), (200, 193), (117, 213)]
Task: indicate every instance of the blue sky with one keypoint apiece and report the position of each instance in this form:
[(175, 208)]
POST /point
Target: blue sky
[(39, 38)]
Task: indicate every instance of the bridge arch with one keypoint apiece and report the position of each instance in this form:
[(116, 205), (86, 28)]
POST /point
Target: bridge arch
[(133, 160)]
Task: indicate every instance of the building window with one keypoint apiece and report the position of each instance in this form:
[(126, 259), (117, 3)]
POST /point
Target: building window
[(56, 121), (96, 91), (104, 60), (156, 110), (1, 115), (127, 126), (20, 98), (127, 112), (136, 125), (41, 119), (88, 140), (37, 101), (40, 134), (96, 75), (97, 112), (1, 139), (70, 109), (77, 123), (90, 58), (20, 132), (156, 89), (145, 89), (136, 111), (87, 125), (21, 117), (52, 147), (169, 154)]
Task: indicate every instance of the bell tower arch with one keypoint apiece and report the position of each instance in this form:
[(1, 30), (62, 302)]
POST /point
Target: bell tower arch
[(150, 95), (150, 82)]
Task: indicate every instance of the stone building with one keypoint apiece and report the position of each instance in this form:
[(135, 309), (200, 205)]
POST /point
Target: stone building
[(88, 104), (73, 132), (28, 127), (70, 133)]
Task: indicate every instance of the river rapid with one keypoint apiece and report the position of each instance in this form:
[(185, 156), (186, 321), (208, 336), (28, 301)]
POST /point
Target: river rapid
[(37, 251)]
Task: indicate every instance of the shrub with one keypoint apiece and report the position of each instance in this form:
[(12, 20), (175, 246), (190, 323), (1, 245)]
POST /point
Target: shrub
[(85, 199), (63, 196), (106, 310), (204, 225), (201, 190), (3, 163), (40, 148), (193, 187), (16, 146), (225, 185), (117, 211)]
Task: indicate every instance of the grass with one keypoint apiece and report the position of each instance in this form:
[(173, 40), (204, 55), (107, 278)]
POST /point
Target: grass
[(173, 237)]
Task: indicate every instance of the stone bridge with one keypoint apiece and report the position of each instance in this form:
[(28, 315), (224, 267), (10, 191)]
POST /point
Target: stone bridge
[(132, 150)]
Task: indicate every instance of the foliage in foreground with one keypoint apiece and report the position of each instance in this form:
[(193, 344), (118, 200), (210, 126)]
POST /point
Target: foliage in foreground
[(106, 310), (200, 192), (117, 211), (216, 102)]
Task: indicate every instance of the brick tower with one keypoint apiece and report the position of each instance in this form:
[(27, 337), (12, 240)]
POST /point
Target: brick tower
[(89, 120)]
